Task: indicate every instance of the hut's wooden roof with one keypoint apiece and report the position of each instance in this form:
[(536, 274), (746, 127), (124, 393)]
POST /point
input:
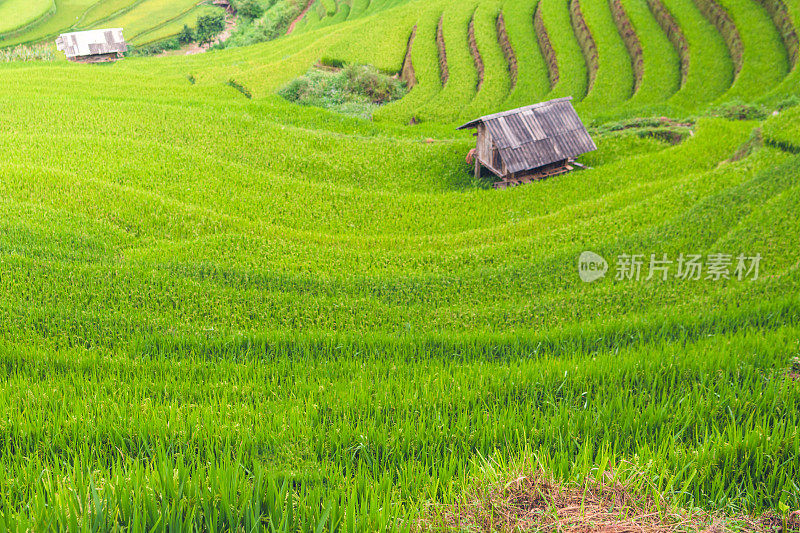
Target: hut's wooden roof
[(92, 42), (537, 135)]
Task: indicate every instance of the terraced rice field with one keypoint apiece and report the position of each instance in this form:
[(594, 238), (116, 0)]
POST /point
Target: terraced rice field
[(15, 15), (144, 21), (220, 312), (138, 21)]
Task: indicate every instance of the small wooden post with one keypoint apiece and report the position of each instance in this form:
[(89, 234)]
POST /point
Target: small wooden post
[(477, 168)]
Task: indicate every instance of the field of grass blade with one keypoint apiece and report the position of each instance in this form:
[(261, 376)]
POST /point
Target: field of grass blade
[(220, 310)]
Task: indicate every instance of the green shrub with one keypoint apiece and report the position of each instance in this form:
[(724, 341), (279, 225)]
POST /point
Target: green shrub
[(209, 26), (366, 80), (251, 9), (739, 111), (786, 103), (186, 35), (353, 90)]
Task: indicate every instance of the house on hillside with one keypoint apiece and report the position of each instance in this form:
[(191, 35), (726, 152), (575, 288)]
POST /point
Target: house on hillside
[(529, 143), (93, 46)]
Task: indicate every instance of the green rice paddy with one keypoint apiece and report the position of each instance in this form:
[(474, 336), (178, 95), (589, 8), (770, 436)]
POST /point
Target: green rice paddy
[(227, 313)]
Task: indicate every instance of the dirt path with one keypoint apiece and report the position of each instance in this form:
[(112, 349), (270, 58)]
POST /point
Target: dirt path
[(299, 17)]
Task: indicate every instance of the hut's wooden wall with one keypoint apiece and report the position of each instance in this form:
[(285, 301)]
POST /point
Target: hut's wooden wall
[(484, 144)]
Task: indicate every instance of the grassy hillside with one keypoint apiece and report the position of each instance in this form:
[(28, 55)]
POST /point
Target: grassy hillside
[(222, 312), (26, 22), (18, 14)]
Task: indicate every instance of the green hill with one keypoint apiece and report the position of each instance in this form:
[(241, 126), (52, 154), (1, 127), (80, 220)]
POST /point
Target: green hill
[(144, 21), (223, 311)]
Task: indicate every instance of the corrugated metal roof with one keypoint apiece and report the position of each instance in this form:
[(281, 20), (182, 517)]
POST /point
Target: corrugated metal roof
[(537, 135), (92, 42)]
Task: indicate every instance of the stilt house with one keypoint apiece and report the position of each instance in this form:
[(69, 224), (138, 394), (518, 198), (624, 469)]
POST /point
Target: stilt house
[(529, 143), (93, 46)]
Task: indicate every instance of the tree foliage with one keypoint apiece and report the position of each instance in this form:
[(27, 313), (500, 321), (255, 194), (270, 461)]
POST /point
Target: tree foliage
[(209, 26)]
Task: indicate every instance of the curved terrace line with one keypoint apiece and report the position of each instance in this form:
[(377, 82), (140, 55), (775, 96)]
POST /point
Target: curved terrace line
[(476, 54), (586, 42), (407, 74), (17, 32), (545, 46), (329, 14), (783, 23), (675, 35), (162, 24), (344, 9), (631, 40), (358, 13), (508, 50), (82, 23), (444, 70), (719, 17)]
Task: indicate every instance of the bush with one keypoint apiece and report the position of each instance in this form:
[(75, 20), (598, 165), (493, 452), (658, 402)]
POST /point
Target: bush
[(354, 90), (250, 9), (186, 35), (209, 26), (786, 103), (367, 81), (739, 111)]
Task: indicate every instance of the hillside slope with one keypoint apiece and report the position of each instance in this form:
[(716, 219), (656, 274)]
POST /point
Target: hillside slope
[(222, 311)]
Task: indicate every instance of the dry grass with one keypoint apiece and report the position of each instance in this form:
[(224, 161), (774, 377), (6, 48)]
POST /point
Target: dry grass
[(535, 502)]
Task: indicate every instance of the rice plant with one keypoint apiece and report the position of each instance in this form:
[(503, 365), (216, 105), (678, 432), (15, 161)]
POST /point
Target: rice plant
[(229, 313)]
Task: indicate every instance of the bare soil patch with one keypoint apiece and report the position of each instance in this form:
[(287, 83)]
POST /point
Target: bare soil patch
[(534, 502)]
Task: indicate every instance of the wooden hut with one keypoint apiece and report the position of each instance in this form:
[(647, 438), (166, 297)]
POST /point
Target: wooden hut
[(93, 46), (529, 143)]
